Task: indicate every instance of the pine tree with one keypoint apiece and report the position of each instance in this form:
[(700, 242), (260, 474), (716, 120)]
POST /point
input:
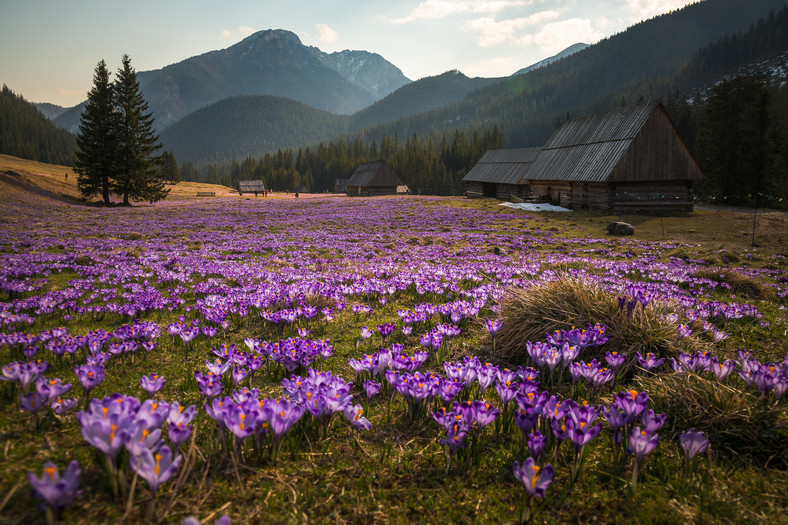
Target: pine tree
[(169, 168), (138, 176), (96, 141)]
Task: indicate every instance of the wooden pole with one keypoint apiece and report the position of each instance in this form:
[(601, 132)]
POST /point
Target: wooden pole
[(754, 218)]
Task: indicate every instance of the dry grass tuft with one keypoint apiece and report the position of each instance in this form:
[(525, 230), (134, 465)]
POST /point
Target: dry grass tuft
[(736, 422), (531, 313), (742, 285)]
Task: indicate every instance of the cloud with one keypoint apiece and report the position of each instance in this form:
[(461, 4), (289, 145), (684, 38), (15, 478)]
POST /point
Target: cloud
[(226, 33), (493, 32), (644, 9), (246, 30), (557, 36), (327, 34), (435, 9)]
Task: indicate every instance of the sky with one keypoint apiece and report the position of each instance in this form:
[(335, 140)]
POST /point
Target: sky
[(49, 48)]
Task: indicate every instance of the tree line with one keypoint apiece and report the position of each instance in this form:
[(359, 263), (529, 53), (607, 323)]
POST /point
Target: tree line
[(432, 165), (739, 136), (26, 133)]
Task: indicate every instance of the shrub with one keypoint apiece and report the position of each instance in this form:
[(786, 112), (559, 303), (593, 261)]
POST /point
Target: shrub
[(738, 284), (561, 304), (736, 422)]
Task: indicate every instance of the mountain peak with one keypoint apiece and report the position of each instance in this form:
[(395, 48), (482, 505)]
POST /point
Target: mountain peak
[(272, 35)]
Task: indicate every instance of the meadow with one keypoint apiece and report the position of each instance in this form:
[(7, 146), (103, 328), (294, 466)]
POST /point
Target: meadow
[(386, 360)]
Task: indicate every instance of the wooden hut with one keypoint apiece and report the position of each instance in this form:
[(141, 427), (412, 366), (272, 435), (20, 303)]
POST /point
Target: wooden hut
[(630, 158), (499, 172), (251, 186), (340, 185), (372, 179)]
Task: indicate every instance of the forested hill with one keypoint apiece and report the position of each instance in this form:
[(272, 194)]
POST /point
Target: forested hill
[(422, 95), (236, 127), (526, 107), (26, 133)]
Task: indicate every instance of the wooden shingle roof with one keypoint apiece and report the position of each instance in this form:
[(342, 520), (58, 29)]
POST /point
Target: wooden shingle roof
[(251, 186), (376, 173), (591, 149), (502, 166)]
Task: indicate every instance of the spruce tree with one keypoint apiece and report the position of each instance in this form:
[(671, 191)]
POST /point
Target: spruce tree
[(138, 176), (96, 141)]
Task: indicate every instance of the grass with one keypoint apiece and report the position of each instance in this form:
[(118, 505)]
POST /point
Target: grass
[(395, 473), (570, 302)]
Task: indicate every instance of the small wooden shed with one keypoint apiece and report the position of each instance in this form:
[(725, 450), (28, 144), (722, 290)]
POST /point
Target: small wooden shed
[(630, 158), (499, 172), (251, 186), (340, 185), (372, 179)]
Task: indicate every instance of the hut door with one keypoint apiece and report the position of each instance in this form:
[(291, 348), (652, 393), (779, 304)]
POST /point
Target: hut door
[(584, 197), (488, 189)]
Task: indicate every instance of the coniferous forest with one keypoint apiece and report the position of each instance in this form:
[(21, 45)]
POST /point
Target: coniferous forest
[(26, 133)]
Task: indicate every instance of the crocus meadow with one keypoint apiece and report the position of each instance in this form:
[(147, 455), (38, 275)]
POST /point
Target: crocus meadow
[(272, 360)]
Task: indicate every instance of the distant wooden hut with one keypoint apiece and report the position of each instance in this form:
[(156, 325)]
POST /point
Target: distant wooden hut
[(372, 179), (630, 158), (251, 186), (340, 186), (499, 172)]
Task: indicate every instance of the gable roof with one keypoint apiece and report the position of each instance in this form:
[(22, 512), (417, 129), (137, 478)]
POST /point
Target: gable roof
[(502, 166), (250, 186), (375, 173), (590, 149)]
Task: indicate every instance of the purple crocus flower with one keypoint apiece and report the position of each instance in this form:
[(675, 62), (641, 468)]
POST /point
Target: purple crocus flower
[(371, 388), (536, 443), (56, 490), (650, 361), (535, 479), (385, 329), (652, 421), (721, 371), (683, 331), (366, 333), (641, 443), (283, 415), (615, 359), (51, 388), (141, 438), (353, 413), (89, 376), (493, 326), (152, 383), (155, 467), (60, 406), (631, 403), (693, 442), (239, 374)]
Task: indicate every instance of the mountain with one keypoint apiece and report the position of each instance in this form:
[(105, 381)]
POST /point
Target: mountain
[(422, 95), (248, 125), (571, 50), (639, 62), (272, 62), (26, 133), (50, 111)]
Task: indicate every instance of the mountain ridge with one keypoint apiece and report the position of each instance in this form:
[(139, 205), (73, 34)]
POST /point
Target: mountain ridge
[(269, 62)]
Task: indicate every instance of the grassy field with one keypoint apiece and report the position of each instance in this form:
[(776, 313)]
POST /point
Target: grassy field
[(141, 281)]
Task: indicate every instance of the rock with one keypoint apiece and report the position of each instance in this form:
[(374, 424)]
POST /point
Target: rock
[(499, 251), (620, 228)]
